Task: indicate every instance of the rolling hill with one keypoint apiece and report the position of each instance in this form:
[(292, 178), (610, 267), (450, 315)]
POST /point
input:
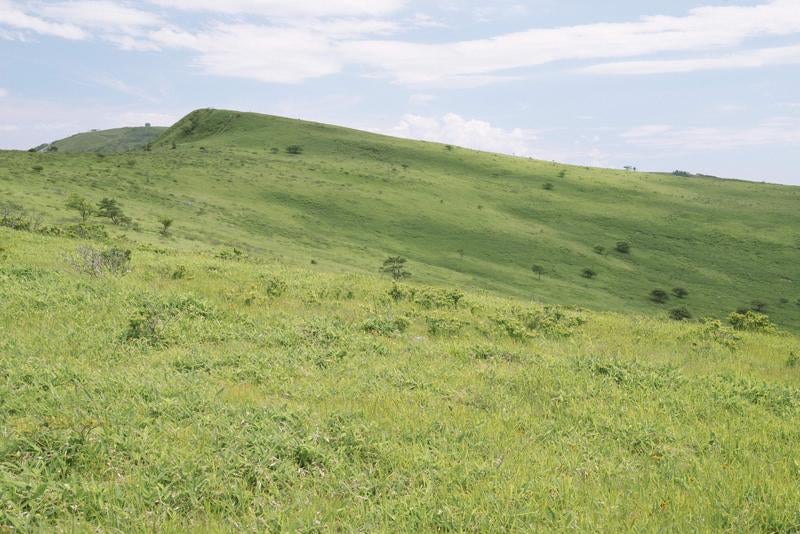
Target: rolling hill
[(462, 218), (248, 368), (108, 141)]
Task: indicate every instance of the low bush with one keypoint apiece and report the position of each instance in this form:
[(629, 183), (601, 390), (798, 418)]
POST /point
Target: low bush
[(444, 326), (680, 292), (623, 247), (589, 273), (680, 314)]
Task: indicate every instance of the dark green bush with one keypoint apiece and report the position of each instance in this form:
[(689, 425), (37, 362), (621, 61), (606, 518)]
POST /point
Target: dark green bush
[(680, 292), (589, 273), (680, 314), (659, 296), (385, 326), (623, 247)]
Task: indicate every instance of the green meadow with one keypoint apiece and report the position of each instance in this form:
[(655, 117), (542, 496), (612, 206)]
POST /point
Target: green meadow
[(247, 367)]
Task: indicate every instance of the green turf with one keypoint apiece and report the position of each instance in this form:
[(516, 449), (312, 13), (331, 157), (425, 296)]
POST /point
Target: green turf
[(352, 198), (222, 381), (109, 141)]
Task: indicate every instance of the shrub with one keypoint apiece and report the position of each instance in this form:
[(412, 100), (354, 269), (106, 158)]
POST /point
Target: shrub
[(680, 292), (179, 273), (623, 247), (599, 249), (548, 186), (680, 314), (713, 330), (152, 321), (659, 296), (589, 273), (444, 326), (275, 286), (37, 168), (523, 323), (538, 270), (793, 360), (751, 321), (396, 267), (294, 150), (89, 260), (758, 306), (166, 222), (234, 254)]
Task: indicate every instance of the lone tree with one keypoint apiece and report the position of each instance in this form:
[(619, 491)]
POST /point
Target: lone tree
[(81, 205), (538, 270), (108, 208), (166, 222), (396, 267)]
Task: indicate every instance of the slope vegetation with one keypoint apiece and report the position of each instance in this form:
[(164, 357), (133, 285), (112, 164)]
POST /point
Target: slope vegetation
[(462, 218), (109, 141)]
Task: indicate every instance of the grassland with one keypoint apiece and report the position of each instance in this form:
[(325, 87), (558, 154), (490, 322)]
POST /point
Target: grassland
[(251, 370), (207, 391), (109, 141), (462, 218)]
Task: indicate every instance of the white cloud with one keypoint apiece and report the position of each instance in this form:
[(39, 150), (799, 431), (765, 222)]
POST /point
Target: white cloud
[(666, 137), (786, 55), (3, 92), (420, 99), (268, 54), (12, 16), (456, 130), (702, 29), (289, 8)]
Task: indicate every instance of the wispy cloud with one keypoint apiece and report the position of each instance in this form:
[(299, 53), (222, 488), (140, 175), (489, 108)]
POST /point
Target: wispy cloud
[(289, 8), (667, 137), (786, 55), (17, 18)]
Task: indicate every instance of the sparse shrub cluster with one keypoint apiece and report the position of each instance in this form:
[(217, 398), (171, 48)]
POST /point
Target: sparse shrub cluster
[(231, 255), (427, 297), (751, 321), (529, 322), (95, 262)]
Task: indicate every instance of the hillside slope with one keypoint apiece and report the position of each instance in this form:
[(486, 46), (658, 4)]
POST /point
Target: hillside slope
[(463, 218), (109, 141)]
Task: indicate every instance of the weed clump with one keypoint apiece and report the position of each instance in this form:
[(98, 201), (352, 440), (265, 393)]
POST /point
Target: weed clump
[(95, 262), (444, 326), (713, 330), (385, 326), (156, 324)]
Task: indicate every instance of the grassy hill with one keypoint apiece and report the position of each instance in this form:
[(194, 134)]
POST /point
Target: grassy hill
[(249, 369), (462, 218), (109, 141)]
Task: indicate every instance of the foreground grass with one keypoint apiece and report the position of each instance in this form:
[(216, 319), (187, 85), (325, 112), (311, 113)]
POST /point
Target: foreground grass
[(257, 395)]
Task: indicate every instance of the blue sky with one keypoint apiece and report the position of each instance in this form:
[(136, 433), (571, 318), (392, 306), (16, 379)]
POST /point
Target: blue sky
[(710, 86)]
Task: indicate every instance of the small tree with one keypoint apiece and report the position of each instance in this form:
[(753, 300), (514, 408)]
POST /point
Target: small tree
[(538, 270), (396, 267), (680, 292), (294, 150), (623, 247), (81, 205), (166, 222), (659, 296), (108, 208)]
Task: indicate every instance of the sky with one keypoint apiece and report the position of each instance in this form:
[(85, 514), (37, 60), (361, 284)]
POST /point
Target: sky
[(709, 86)]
